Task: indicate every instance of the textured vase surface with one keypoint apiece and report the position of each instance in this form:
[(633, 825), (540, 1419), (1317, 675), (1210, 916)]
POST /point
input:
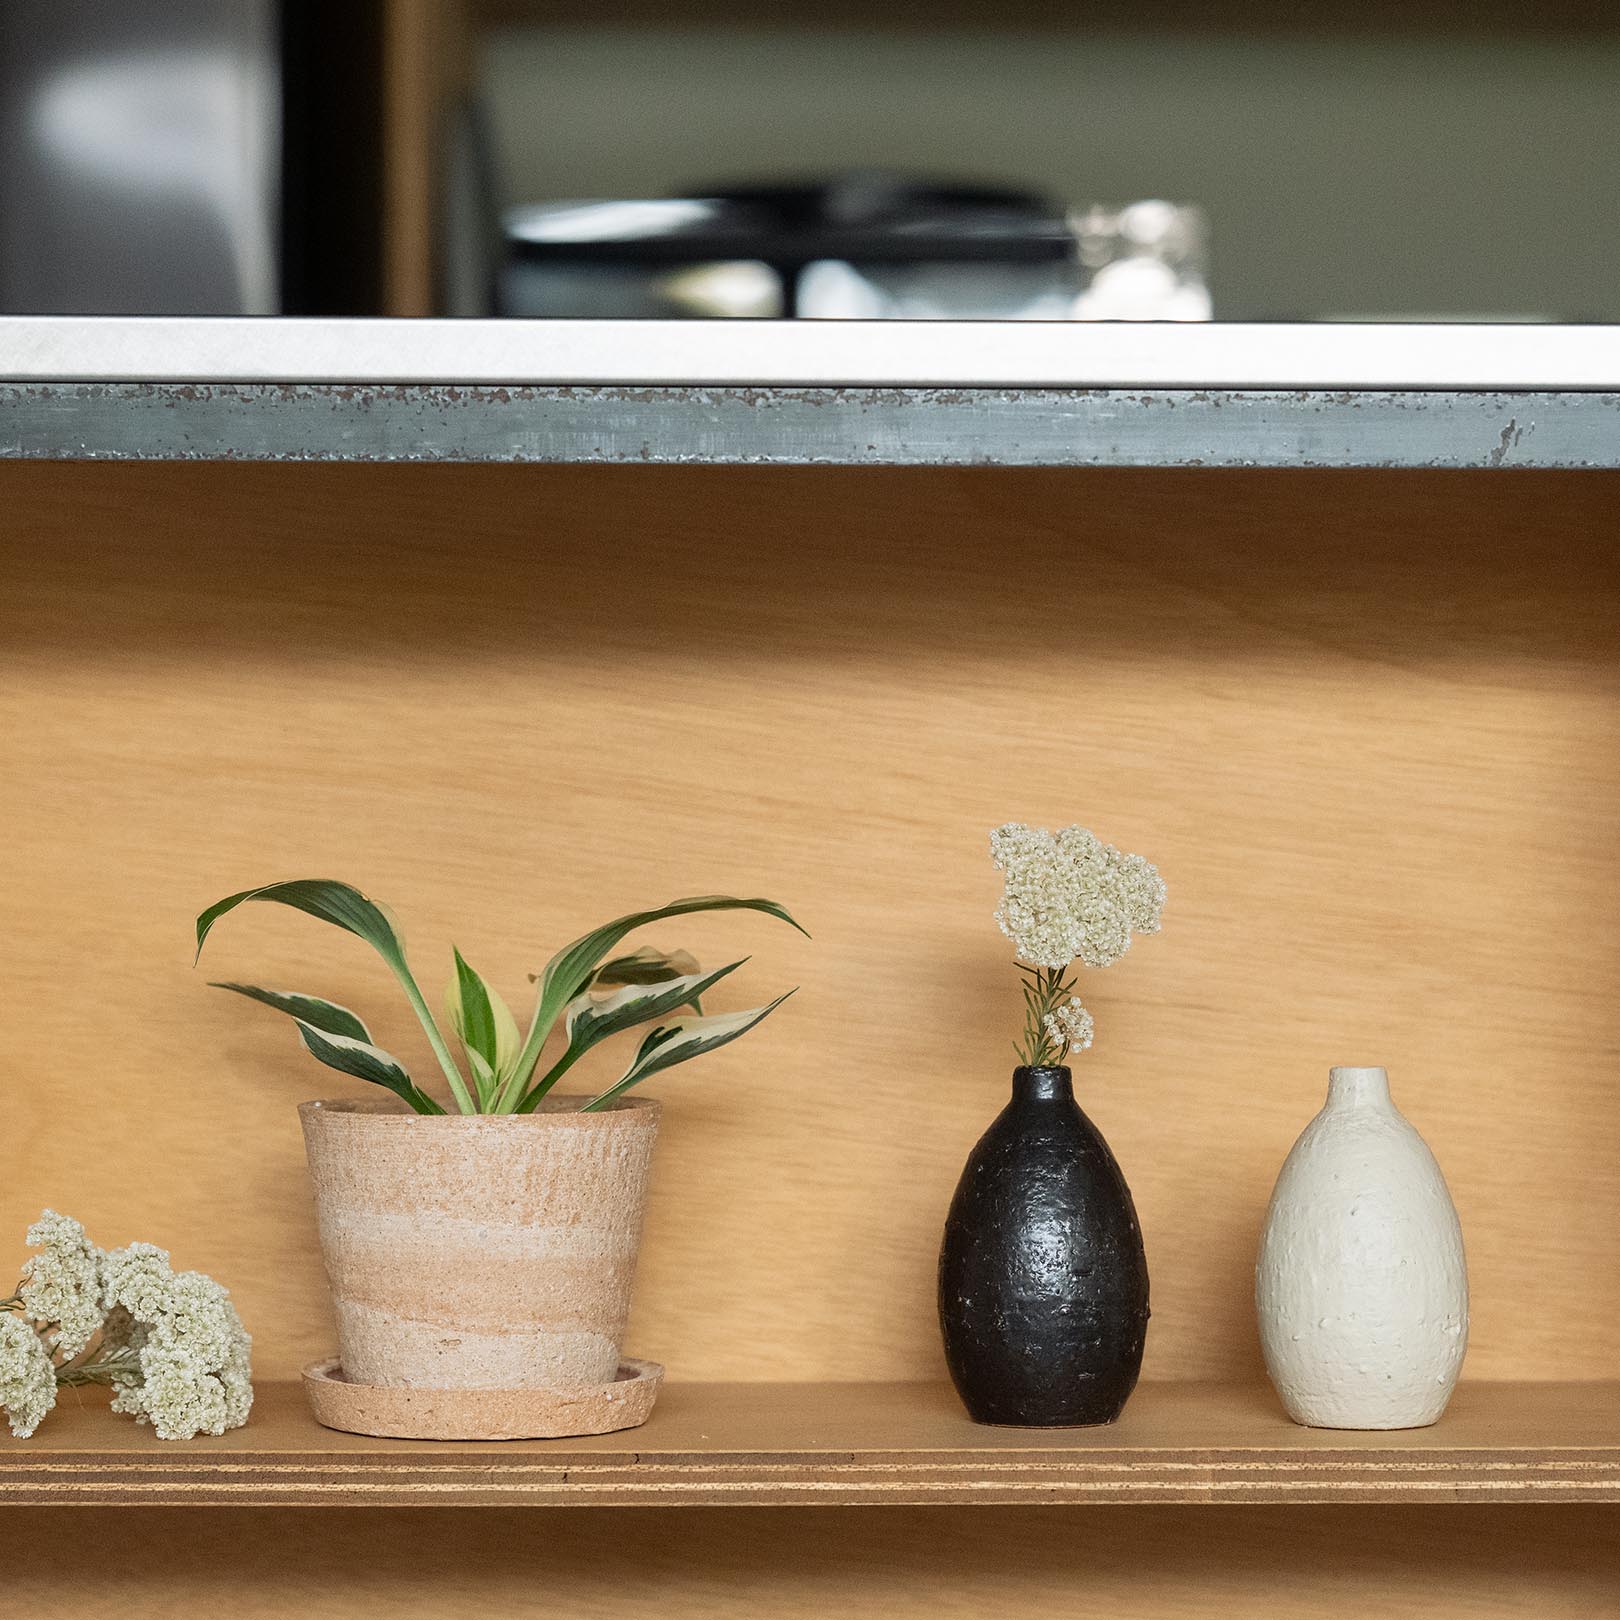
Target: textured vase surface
[(1043, 1285), (1361, 1286), (480, 1252)]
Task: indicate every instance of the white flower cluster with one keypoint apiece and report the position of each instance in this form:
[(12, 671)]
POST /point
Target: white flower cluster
[(62, 1283), (1070, 896), (27, 1375), (1071, 1025), (189, 1353), (168, 1343)]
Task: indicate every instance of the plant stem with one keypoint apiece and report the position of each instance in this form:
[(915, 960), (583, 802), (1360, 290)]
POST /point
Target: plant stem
[(441, 1051), (98, 1371), (526, 1103), (515, 1087), (1043, 994)]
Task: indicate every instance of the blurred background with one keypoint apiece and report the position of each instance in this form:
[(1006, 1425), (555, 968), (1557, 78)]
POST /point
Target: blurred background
[(1159, 160)]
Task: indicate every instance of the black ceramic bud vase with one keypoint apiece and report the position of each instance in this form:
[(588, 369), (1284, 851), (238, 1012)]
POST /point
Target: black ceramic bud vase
[(1043, 1285)]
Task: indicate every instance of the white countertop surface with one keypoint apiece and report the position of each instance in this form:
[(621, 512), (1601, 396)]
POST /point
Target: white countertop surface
[(813, 354)]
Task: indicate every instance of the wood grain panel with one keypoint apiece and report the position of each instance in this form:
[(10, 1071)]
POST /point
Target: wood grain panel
[(903, 1564), (425, 66), (821, 1445), (1366, 723)]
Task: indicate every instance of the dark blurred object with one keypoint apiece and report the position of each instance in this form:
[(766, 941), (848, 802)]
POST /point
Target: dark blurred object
[(1380, 19), (864, 246), (332, 157), (790, 250), (190, 157)]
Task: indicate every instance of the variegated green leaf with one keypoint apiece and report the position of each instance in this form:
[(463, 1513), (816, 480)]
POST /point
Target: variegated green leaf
[(571, 969), (324, 1015), (646, 965), (340, 904), (346, 907), (366, 1062), (474, 1017), (483, 1076), (680, 1041), (484, 1023), (589, 1019), (508, 1042)]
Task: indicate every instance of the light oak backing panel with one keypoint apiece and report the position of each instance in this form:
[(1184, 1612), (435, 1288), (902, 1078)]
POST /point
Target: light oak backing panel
[(1365, 723)]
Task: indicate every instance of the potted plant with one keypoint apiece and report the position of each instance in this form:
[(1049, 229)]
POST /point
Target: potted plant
[(481, 1255)]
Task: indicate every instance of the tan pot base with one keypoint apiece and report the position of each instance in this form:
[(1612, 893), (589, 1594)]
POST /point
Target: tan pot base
[(481, 1414)]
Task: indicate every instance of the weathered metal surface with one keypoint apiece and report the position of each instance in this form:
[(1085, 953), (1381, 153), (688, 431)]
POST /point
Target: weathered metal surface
[(1026, 427)]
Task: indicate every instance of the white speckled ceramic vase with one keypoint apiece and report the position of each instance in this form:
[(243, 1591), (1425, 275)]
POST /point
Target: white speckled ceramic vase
[(1361, 1285)]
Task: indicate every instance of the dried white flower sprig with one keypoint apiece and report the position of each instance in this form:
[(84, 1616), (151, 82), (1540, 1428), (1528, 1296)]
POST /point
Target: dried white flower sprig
[(1071, 1026), (1069, 897), (62, 1283), (168, 1343), (27, 1375)]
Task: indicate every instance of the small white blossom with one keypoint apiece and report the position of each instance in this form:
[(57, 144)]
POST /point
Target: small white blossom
[(62, 1283), (189, 1356), (1070, 1025), (1070, 895), (1143, 891), (27, 1375), (1033, 913)]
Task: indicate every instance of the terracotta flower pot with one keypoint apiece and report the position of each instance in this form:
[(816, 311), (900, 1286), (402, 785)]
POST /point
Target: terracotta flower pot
[(492, 1253)]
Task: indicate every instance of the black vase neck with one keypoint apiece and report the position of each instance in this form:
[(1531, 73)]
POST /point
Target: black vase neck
[(1042, 1084)]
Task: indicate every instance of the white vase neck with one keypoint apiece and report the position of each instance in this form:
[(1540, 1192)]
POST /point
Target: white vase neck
[(1358, 1088)]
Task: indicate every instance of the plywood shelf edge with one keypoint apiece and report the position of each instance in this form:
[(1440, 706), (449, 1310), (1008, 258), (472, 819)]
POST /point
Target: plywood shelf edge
[(855, 1445)]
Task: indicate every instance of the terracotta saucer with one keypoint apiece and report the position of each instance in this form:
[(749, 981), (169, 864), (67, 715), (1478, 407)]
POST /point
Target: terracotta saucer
[(481, 1414)]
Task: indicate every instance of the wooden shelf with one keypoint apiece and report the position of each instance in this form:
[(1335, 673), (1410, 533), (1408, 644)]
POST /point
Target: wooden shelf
[(853, 1445), (1273, 685)]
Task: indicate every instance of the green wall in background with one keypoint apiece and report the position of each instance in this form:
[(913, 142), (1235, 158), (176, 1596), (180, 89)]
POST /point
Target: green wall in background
[(1342, 177)]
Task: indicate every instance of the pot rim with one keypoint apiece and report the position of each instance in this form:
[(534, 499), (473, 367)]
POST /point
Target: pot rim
[(390, 1113)]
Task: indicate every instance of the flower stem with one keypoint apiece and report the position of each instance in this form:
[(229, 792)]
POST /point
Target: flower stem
[(99, 1369), (1043, 993)]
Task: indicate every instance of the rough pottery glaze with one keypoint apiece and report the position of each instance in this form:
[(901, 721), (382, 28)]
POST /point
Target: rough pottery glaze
[(479, 1252), (1361, 1286), (1043, 1285), (482, 1414)]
